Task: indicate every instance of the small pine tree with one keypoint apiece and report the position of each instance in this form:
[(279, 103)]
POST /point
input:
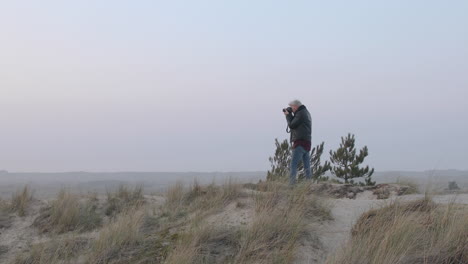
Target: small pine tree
[(453, 186), (346, 163), (281, 163)]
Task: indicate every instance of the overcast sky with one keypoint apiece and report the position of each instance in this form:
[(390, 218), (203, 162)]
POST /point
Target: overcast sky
[(199, 85)]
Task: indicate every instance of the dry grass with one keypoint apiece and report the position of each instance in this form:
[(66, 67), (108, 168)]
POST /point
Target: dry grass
[(281, 216), (205, 244), (67, 213), (199, 200), (211, 197), (178, 231), (412, 232), (19, 202), (413, 186), (187, 208), (280, 221), (55, 251), (116, 238), (130, 237), (133, 236), (123, 199), (175, 196)]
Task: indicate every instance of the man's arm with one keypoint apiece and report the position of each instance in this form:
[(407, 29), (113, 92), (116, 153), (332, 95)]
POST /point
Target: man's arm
[(294, 121)]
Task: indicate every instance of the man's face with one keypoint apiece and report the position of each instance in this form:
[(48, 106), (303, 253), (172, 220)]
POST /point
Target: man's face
[(294, 108)]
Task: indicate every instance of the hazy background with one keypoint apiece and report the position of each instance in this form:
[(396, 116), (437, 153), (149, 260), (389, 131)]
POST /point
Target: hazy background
[(47, 185), (199, 85)]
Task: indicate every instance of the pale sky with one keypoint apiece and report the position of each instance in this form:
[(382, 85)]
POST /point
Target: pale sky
[(199, 85)]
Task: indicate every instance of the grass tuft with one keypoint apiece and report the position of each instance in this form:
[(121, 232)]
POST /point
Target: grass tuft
[(67, 213), (55, 251), (123, 199), (280, 220), (206, 244), (19, 202), (279, 223), (116, 238), (200, 200), (409, 232), (187, 228), (413, 187)]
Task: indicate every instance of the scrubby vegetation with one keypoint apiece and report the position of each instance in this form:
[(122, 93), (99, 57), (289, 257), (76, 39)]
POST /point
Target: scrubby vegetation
[(453, 186), (346, 163), (184, 228), (57, 250), (203, 224), (19, 203), (409, 232), (68, 213), (181, 233), (124, 198), (118, 239), (413, 187), (198, 201), (279, 221)]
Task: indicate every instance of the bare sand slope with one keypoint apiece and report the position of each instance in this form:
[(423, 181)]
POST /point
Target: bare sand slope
[(334, 234), (19, 234)]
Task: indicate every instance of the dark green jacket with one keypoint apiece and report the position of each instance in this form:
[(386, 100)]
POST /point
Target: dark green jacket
[(300, 124)]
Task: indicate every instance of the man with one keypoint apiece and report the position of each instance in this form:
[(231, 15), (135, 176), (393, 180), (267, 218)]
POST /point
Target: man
[(301, 138)]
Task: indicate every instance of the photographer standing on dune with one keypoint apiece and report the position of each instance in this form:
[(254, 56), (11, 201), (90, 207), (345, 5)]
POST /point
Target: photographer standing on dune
[(300, 123)]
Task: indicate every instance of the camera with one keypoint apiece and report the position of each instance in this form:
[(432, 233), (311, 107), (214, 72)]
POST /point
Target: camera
[(289, 110)]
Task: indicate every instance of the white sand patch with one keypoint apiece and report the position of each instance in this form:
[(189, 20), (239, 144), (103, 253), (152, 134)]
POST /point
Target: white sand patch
[(20, 234), (334, 234), (236, 214)]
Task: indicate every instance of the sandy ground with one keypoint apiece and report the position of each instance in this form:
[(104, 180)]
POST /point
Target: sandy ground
[(334, 234), (323, 239), (20, 234)]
